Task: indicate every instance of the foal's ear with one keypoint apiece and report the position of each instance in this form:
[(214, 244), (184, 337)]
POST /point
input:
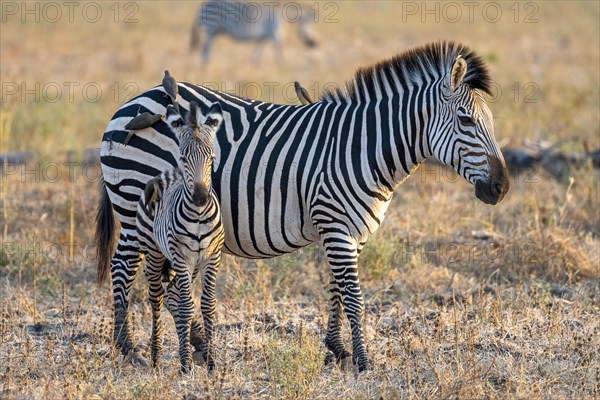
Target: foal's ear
[(193, 115), (151, 191), (457, 72), (214, 117)]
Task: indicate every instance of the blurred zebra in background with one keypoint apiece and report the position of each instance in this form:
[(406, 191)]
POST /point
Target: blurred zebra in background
[(249, 22)]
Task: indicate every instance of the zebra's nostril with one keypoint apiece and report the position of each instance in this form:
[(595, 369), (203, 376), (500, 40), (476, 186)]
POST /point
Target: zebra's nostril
[(497, 188)]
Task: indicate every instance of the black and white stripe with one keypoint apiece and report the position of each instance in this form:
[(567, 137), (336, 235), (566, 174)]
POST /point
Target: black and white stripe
[(287, 176), (178, 219), (247, 22)]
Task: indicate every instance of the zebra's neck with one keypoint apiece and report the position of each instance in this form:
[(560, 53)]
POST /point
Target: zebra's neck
[(385, 139)]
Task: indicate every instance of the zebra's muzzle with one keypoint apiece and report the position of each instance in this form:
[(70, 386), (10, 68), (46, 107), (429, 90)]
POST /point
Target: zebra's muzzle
[(200, 195), (492, 190)]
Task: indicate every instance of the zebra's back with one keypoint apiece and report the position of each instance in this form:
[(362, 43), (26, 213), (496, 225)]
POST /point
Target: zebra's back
[(257, 173)]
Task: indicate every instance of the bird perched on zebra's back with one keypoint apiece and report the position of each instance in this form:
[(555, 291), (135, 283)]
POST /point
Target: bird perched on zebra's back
[(170, 85), (141, 121), (302, 94)]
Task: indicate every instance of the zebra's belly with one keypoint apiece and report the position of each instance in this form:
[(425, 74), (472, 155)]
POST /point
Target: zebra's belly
[(262, 225), (275, 246)]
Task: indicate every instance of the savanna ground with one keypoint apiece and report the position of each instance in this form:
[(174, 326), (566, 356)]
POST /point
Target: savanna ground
[(463, 300)]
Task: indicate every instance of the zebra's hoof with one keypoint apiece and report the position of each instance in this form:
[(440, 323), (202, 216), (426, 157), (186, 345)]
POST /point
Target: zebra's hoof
[(199, 358), (345, 363), (134, 358), (344, 360), (187, 368), (329, 359), (364, 366), (210, 366)]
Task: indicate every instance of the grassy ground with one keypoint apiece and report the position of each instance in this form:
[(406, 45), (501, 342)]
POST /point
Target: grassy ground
[(463, 300)]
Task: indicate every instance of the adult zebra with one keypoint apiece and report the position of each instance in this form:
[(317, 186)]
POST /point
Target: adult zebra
[(255, 22), (289, 175)]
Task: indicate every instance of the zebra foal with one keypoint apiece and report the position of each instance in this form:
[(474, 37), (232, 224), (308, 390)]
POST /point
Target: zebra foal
[(179, 219)]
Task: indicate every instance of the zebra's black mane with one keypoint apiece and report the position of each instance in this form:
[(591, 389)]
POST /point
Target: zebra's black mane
[(410, 66)]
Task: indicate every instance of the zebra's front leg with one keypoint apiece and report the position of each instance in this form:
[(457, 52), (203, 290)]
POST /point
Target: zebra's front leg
[(123, 268), (156, 295), (197, 329), (207, 306), (205, 52), (186, 310), (257, 52), (333, 340), (342, 255), (278, 51), (354, 305)]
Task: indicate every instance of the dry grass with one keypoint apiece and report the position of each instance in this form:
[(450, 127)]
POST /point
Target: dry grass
[(463, 300)]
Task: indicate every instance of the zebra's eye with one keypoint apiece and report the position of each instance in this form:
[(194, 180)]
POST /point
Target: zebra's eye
[(177, 123), (466, 120), (211, 121)]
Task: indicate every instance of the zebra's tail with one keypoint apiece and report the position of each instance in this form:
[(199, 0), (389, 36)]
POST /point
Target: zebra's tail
[(105, 235), (195, 36)]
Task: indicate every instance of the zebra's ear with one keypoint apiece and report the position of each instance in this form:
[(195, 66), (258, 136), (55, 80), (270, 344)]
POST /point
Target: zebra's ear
[(457, 72), (193, 115), (151, 191), (173, 117), (214, 117)]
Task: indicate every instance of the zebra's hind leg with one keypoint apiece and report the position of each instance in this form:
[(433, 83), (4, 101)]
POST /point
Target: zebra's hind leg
[(186, 310), (208, 305), (342, 254), (123, 268)]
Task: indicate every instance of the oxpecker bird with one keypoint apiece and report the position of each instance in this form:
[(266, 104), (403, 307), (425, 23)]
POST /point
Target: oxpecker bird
[(302, 94), (170, 85), (141, 121)]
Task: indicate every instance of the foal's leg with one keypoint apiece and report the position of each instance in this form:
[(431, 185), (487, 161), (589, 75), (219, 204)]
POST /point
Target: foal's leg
[(186, 310), (156, 295), (208, 305), (197, 328)]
